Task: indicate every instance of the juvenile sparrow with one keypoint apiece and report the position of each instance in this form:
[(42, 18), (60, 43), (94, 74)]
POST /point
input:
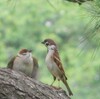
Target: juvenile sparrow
[(54, 63), (25, 63)]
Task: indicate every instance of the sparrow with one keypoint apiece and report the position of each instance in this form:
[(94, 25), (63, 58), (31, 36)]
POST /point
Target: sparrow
[(24, 62), (54, 64)]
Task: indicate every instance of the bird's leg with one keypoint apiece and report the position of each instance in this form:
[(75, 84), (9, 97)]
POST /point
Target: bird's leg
[(59, 83), (54, 78)]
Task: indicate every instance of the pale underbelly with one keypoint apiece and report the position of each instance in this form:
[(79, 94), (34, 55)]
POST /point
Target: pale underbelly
[(53, 68), (25, 68)]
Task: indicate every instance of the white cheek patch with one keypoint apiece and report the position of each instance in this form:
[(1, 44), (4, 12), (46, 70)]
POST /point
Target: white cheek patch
[(25, 55), (52, 47)]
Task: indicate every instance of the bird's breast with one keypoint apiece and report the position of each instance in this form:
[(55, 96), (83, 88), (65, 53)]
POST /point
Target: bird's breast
[(23, 65), (52, 67), (49, 60)]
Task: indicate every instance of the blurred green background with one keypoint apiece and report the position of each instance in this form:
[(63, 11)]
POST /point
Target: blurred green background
[(25, 23)]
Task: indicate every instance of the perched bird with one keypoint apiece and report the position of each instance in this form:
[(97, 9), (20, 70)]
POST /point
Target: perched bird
[(54, 63), (25, 63)]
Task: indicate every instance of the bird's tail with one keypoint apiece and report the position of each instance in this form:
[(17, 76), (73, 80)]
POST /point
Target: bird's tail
[(67, 86)]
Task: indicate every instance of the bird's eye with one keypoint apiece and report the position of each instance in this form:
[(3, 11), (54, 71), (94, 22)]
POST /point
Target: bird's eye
[(46, 43)]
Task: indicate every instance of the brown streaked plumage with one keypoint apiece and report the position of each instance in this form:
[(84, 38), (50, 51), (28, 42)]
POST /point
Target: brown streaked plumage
[(25, 63), (54, 63), (10, 63), (56, 59)]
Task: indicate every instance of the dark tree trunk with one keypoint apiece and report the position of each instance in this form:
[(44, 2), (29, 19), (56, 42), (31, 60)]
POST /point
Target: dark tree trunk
[(16, 85)]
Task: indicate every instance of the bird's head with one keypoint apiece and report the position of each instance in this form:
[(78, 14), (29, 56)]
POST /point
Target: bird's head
[(25, 52), (48, 42)]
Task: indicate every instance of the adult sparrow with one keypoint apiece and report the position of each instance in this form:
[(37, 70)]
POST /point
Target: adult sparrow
[(54, 63)]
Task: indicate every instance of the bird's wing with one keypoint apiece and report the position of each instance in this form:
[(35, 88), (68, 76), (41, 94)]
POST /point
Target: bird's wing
[(10, 63), (35, 68), (57, 60)]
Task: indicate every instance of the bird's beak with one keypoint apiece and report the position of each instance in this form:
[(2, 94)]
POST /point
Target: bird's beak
[(42, 42), (30, 51)]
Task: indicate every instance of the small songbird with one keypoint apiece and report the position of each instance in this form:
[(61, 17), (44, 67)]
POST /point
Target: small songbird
[(54, 63), (25, 63)]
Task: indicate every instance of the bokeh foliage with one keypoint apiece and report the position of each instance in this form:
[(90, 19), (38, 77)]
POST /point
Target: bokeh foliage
[(25, 23)]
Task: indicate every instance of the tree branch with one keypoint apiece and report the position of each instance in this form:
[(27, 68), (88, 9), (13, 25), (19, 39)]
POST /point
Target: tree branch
[(16, 85), (78, 1)]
